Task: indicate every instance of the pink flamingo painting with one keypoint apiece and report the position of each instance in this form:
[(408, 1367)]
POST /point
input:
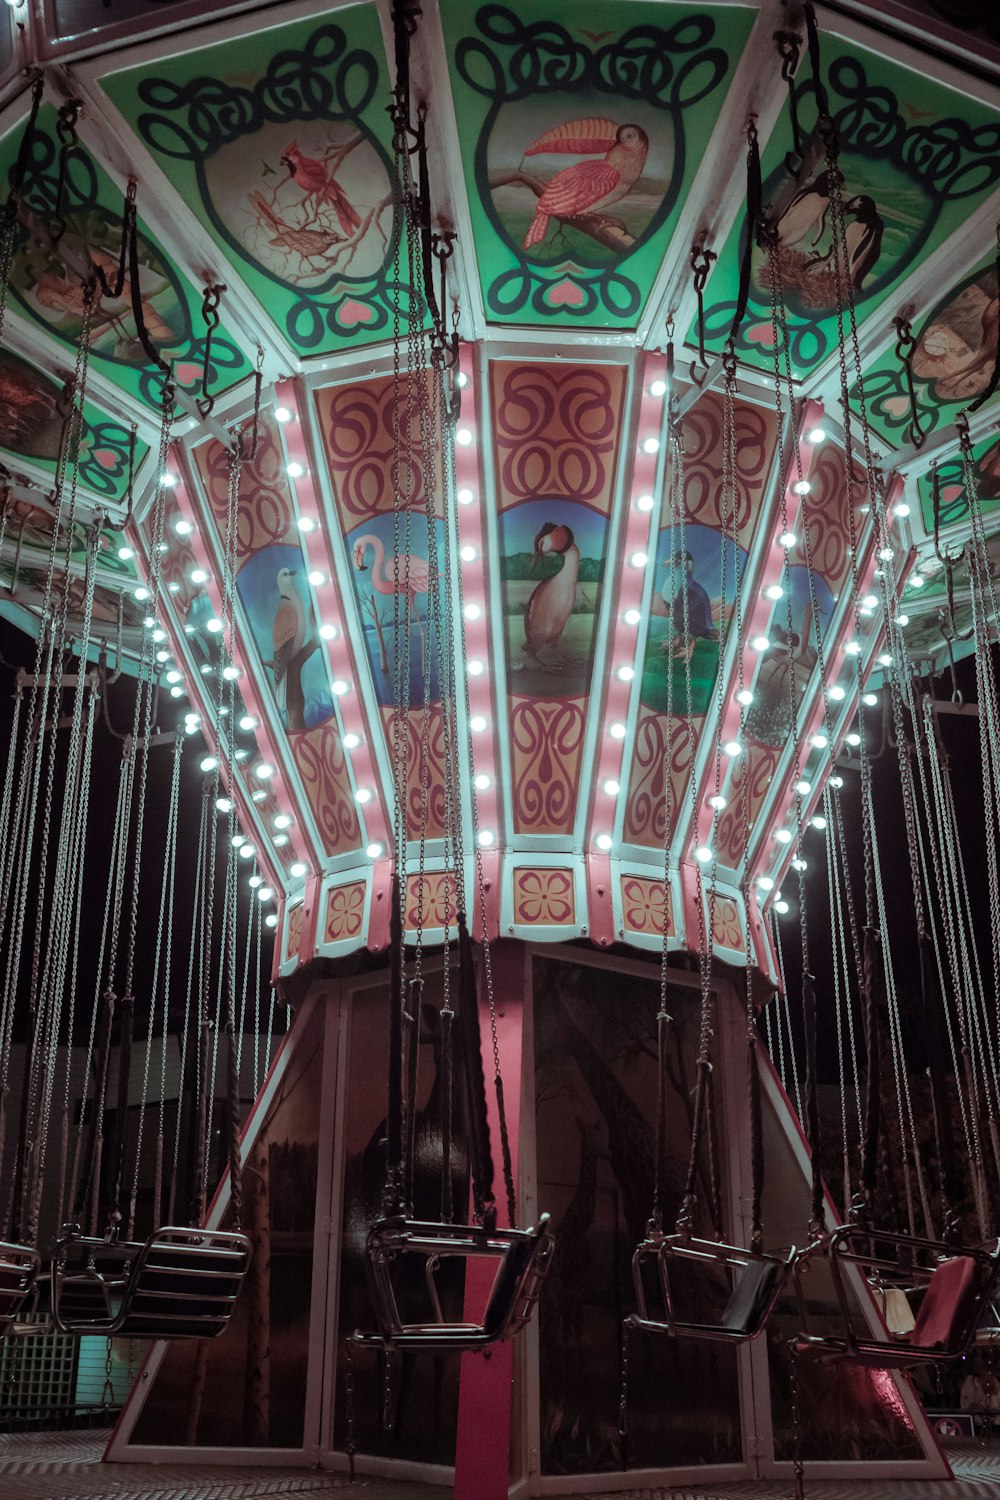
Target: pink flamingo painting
[(410, 579)]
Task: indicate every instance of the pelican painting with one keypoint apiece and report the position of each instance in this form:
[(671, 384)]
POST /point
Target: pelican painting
[(551, 604)]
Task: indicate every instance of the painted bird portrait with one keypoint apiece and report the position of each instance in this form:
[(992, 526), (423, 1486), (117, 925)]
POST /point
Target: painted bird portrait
[(689, 607), (581, 195), (294, 640), (320, 189), (552, 602)]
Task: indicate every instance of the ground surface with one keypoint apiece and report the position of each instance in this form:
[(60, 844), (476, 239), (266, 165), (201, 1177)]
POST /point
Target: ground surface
[(66, 1466)]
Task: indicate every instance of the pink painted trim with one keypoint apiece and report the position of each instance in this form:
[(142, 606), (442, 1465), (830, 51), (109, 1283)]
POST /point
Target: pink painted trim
[(600, 903), (381, 906)]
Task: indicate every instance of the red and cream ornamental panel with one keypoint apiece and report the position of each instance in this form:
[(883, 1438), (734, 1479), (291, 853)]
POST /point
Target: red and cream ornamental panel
[(287, 668), (685, 593)]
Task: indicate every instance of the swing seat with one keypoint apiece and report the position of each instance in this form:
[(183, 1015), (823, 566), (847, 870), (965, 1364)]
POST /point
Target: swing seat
[(754, 1282), (19, 1266), (955, 1288), (523, 1256), (179, 1284)]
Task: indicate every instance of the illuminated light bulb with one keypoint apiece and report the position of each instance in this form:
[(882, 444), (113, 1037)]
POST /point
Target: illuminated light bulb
[(280, 840), (902, 509), (191, 717), (468, 554), (351, 741), (198, 575), (869, 601), (363, 795), (306, 523), (168, 480), (853, 739), (249, 722), (246, 851), (271, 920), (799, 864), (816, 435), (159, 635), (483, 781), (651, 445), (886, 554), (223, 805), (717, 801), (485, 838), (205, 669), (255, 882), (373, 851), (463, 437), (214, 625), (853, 648), (237, 840), (787, 539), (902, 619), (761, 643), (802, 487), (297, 870), (177, 692), (263, 770), (765, 883), (265, 893), (173, 587), (866, 611), (461, 380), (207, 763), (916, 581), (783, 835), (259, 795), (658, 388), (837, 781), (782, 908), (632, 616), (282, 414), (744, 697), (774, 591), (241, 754), (149, 622), (231, 674), (223, 713), (282, 820), (465, 496), (162, 656), (471, 611), (125, 553), (141, 593), (732, 748), (340, 687), (173, 676), (327, 632), (316, 578), (604, 841), (625, 674), (820, 741), (836, 693), (294, 470), (818, 822), (639, 559), (477, 723), (183, 527), (617, 731), (703, 854), (885, 660), (476, 668), (869, 700), (645, 502), (612, 787), (803, 788)]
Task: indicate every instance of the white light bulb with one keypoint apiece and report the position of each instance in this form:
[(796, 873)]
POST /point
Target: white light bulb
[(732, 748), (632, 616), (853, 739), (836, 693), (916, 581), (255, 882), (159, 634), (207, 763), (363, 795), (885, 554), (744, 697), (818, 822), (237, 840), (282, 414), (183, 526), (340, 687), (461, 380), (246, 851), (463, 437), (465, 496), (351, 741), (471, 611), (477, 723), (316, 578), (263, 770), (617, 731), (765, 883), (902, 619), (282, 820), (782, 908), (373, 851), (869, 700), (853, 648), (483, 781), (260, 795), (214, 625), (639, 559), (249, 722), (231, 674), (761, 643), (802, 487), (468, 554), (625, 674), (658, 388), (297, 870), (125, 553), (280, 840), (174, 676), (703, 854), (651, 445), (223, 805), (837, 781), (783, 836), (885, 660), (265, 893), (485, 837), (173, 587), (869, 601), (816, 435), (476, 668), (774, 591), (162, 656), (141, 593), (717, 800), (803, 788), (198, 575), (612, 787), (177, 692), (294, 470), (271, 920), (787, 539), (149, 622), (327, 632), (820, 741), (604, 841), (645, 502), (902, 509), (306, 523)]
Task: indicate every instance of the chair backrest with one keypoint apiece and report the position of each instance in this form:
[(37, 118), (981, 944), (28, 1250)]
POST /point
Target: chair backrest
[(947, 1314), (751, 1296)]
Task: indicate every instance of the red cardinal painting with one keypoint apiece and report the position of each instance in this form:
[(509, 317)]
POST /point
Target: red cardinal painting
[(590, 186), (318, 182)]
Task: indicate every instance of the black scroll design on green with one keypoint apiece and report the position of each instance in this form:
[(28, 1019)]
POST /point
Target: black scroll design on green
[(947, 160), (666, 68), (105, 478), (94, 231), (325, 80)]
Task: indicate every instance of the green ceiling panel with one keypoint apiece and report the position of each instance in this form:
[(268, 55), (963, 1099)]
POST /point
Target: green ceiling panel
[(49, 292), (603, 121), (281, 145), (916, 158), (952, 497), (31, 427)]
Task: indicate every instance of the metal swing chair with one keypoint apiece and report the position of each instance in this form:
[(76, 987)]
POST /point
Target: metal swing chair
[(182, 1282), (522, 1256)]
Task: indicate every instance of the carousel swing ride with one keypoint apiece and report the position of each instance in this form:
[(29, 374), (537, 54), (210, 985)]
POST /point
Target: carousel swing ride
[(545, 463)]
